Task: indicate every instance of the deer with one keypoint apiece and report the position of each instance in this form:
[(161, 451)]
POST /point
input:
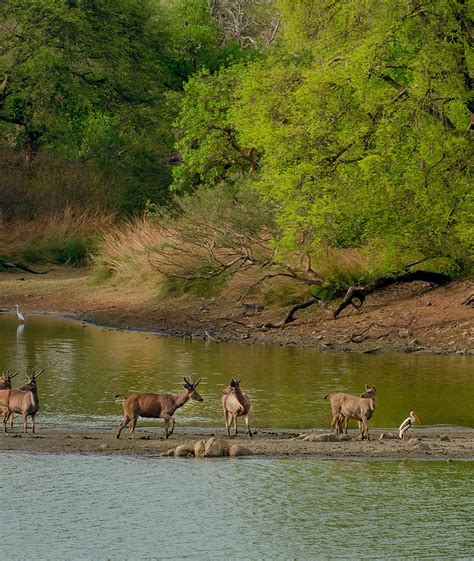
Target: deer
[(6, 384), (25, 401), (347, 406), (235, 404), (156, 406), (339, 421)]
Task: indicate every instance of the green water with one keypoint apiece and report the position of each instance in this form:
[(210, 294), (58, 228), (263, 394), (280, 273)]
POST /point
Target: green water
[(71, 507), (98, 508), (86, 366)]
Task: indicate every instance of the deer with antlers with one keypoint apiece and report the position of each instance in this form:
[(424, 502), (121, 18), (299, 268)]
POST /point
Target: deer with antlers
[(25, 401), (156, 406), (6, 384), (235, 404)]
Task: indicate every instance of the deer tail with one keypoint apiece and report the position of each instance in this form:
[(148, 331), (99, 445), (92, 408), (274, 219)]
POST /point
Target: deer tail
[(326, 396), (120, 395)]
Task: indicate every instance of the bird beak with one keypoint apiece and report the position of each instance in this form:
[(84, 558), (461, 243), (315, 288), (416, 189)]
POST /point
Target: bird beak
[(417, 418)]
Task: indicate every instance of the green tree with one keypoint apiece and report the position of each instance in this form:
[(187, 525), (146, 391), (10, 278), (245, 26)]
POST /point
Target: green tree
[(206, 137), (86, 79), (361, 127)]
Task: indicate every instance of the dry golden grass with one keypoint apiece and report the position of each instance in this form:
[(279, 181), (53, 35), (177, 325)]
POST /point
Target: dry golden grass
[(143, 249), (124, 250), (15, 233)]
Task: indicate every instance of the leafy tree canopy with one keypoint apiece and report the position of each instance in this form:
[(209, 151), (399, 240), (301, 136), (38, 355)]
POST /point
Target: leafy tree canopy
[(87, 79), (358, 128)]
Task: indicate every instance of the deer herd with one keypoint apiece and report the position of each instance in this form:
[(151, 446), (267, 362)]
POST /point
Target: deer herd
[(25, 402)]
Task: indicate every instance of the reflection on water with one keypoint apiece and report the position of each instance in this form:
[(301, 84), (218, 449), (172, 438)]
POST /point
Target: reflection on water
[(86, 366), (84, 508)]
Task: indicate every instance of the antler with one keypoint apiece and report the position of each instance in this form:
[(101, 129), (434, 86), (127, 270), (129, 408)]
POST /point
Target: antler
[(192, 381), (36, 375)]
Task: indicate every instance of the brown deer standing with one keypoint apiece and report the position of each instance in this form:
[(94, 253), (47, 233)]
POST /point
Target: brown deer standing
[(24, 401), (6, 384), (235, 404), (156, 406), (347, 406)]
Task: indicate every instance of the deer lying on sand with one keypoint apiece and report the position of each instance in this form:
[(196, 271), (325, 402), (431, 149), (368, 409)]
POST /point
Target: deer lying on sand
[(6, 384), (235, 404), (347, 406), (156, 406), (24, 401)]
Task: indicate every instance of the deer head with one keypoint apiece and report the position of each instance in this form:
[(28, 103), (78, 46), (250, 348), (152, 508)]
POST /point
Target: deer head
[(369, 392), (30, 383), (190, 387)]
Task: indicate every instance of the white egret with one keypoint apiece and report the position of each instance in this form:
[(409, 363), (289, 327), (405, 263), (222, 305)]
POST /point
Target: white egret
[(21, 317), (406, 425)]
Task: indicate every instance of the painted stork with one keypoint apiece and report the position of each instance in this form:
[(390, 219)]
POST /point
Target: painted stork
[(21, 317), (406, 425)]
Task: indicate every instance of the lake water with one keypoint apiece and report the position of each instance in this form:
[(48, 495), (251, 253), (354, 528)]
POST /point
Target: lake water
[(70, 507), (85, 366), (78, 507)]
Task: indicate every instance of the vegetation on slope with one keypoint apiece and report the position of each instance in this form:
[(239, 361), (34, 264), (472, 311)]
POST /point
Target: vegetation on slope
[(323, 143)]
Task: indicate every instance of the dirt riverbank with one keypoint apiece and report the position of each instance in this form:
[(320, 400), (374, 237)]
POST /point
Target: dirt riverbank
[(413, 317), (425, 443)]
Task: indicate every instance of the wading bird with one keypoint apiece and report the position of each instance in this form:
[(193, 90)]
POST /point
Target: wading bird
[(21, 317), (406, 425)]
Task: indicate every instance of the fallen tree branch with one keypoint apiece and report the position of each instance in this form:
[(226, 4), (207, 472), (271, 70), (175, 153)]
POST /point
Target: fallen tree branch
[(359, 293), (290, 316), (21, 267)]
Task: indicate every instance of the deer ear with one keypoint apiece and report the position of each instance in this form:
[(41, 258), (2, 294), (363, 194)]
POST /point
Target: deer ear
[(366, 387), (187, 386)]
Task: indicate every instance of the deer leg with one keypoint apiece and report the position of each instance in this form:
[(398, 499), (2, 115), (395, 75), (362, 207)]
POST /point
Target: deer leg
[(247, 423), (337, 422), (340, 423), (334, 423), (8, 415), (134, 420), (347, 424), (365, 429), (228, 422), (33, 424), (25, 423), (235, 425), (122, 425), (226, 419), (172, 426), (4, 420), (168, 419)]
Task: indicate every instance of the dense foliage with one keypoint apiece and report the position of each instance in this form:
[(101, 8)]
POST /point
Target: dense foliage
[(349, 120), (87, 79), (356, 129)]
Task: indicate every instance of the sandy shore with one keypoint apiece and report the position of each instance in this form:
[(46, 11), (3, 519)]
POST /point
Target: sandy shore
[(432, 444)]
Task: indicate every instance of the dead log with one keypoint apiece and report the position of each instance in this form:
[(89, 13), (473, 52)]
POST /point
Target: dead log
[(7, 265), (291, 314), (356, 295)]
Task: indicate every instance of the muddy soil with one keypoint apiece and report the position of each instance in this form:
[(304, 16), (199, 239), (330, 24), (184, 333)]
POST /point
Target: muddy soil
[(415, 317), (424, 443)]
